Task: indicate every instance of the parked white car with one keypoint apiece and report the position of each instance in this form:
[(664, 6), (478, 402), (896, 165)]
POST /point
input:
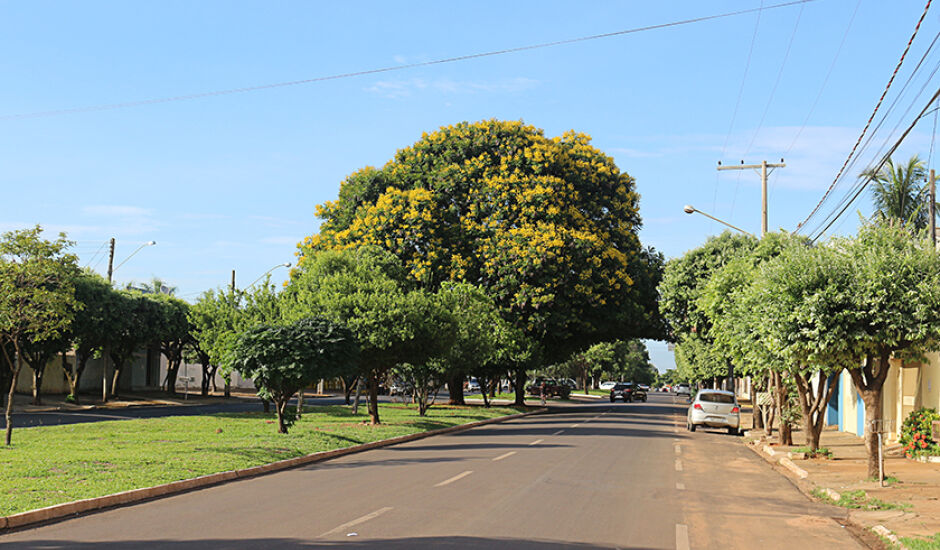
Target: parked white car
[(715, 409), (473, 385), (609, 385)]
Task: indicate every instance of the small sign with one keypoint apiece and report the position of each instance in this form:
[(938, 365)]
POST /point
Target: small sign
[(935, 430), (765, 399)]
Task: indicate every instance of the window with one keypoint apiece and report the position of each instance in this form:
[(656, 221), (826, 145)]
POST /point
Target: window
[(716, 398)]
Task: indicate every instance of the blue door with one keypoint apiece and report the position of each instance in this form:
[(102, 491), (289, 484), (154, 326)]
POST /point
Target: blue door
[(859, 415), (832, 409)]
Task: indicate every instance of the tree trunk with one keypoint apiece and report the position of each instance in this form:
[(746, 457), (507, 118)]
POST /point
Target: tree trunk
[(813, 405), (18, 364), (280, 405), (37, 386), (869, 381), (115, 378), (455, 390), (770, 410), (484, 386), (520, 387), (172, 372), (348, 388), (786, 431), (374, 399), (300, 403), (355, 407), (228, 386)]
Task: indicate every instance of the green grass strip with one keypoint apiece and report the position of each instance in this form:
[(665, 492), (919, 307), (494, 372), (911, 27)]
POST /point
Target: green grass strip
[(56, 464)]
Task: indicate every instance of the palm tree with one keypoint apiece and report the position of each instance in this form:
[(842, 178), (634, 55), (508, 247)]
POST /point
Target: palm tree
[(898, 192), (155, 286)]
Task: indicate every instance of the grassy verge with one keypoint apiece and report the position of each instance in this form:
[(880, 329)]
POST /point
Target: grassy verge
[(859, 500), (917, 543), (55, 464)]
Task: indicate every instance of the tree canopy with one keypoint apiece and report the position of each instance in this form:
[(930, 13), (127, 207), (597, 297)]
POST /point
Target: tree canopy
[(547, 227)]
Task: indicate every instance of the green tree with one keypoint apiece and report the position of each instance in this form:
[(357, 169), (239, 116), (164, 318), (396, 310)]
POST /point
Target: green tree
[(895, 310), (682, 286), (92, 328), (136, 319), (172, 331), (284, 359), (547, 227), (898, 192), (215, 320), (37, 297), (365, 290)]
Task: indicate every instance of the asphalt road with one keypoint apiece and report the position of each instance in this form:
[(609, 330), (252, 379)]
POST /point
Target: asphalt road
[(597, 476)]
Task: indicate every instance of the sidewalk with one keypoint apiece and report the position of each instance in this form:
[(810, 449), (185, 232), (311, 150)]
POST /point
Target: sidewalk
[(916, 491)]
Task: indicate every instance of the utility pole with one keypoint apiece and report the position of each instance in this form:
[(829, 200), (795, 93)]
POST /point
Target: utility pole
[(104, 363), (931, 207), (763, 166)]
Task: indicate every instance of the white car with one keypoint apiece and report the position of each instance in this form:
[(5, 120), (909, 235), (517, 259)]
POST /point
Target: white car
[(473, 385), (683, 389), (715, 409), (607, 385)]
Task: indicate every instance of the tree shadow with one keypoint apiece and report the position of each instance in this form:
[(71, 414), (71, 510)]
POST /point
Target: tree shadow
[(408, 543)]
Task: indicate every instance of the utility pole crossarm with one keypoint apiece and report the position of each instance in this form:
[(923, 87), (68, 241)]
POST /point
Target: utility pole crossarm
[(763, 166)]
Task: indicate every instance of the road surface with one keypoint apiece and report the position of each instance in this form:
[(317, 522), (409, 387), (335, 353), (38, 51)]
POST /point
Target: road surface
[(597, 476)]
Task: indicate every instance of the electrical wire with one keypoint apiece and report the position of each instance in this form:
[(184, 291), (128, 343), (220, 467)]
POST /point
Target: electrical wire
[(95, 255), (865, 180), (245, 89), (867, 124), (734, 112), (825, 80)]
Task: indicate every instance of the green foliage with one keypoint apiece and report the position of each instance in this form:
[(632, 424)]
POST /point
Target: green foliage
[(899, 193), (620, 360), (546, 227), (281, 360), (683, 306), (917, 435), (918, 543)]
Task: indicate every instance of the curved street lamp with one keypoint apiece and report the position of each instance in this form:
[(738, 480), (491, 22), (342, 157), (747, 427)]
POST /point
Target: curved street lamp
[(689, 209), (285, 264), (111, 271)]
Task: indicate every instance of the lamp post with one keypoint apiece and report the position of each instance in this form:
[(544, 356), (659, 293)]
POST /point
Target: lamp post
[(689, 209), (111, 270), (285, 264)]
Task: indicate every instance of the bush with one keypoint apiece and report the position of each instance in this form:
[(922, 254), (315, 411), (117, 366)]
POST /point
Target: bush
[(916, 433)]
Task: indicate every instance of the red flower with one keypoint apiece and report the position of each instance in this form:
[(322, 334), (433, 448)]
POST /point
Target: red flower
[(923, 444)]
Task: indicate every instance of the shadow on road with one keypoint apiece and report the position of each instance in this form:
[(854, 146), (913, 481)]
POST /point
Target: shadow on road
[(296, 544)]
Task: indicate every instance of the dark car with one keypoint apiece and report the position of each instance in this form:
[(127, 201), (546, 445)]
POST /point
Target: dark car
[(553, 388), (628, 392)]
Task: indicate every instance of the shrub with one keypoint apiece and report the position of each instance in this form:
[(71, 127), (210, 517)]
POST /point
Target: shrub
[(916, 434)]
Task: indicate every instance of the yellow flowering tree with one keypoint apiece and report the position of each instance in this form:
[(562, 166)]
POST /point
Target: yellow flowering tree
[(546, 226)]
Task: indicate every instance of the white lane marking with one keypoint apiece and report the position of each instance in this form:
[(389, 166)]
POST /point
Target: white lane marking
[(575, 425), (682, 537), (680, 485), (357, 521), (678, 449), (455, 478), (558, 432), (678, 465), (536, 442), (507, 455)]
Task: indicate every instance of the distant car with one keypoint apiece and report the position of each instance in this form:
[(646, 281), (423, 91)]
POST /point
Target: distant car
[(473, 385), (644, 387), (399, 388), (628, 392), (570, 383), (553, 388), (683, 389), (715, 409), (607, 385)]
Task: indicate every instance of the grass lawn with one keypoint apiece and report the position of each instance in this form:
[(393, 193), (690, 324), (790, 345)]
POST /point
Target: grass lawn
[(55, 464)]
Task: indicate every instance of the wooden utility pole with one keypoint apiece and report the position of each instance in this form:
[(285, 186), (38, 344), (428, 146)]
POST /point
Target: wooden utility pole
[(763, 166), (104, 362), (931, 207)]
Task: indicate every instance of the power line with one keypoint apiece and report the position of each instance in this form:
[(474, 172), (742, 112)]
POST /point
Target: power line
[(246, 89), (825, 80), (866, 180), (870, 119), (734, 112)]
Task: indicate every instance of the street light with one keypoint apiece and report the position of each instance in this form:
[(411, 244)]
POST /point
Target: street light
[(689, 209), (285, 264), (111, 259)]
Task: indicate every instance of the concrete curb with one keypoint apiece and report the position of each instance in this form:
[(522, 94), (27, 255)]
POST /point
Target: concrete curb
[(886, 533), (60, 511), (789, 465)]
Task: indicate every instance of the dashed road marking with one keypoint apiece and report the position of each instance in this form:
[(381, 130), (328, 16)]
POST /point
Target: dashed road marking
[(502, 456), (678, 465), (682, 537), (680, 485), (678, 449), (536, 442), (455, 478), (559, 432), (357, 521), (575, 425)]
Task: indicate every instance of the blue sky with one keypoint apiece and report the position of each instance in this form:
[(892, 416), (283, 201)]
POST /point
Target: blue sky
[(230, 181)]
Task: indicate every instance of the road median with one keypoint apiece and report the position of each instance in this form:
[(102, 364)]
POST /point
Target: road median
[(119, 498)]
